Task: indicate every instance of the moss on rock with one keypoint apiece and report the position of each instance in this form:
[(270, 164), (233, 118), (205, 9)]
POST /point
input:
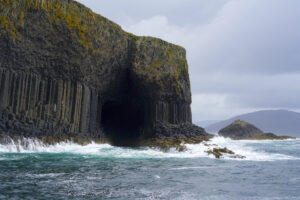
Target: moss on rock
[(177, 143), (218, 152), (163, 65), (84, 26)]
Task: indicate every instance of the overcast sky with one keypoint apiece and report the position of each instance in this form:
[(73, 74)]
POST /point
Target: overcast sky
[(243, 55)]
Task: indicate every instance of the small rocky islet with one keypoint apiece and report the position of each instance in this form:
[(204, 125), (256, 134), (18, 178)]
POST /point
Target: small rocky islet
[(241, 130), (67, 73)]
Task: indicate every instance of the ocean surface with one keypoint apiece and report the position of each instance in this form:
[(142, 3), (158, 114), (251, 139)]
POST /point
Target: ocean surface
[(271, 170)]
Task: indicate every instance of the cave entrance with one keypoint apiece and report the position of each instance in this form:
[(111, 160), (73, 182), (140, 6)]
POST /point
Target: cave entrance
[(122, 122)]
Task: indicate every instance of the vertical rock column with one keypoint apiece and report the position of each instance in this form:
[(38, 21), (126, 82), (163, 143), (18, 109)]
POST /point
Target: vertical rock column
[(174, 113), (48, 103)]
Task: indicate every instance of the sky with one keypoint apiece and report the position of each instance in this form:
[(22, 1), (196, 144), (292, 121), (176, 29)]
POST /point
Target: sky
[(243, 55)]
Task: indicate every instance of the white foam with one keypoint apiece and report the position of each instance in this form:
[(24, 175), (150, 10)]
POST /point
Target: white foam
[(48, 175), (157, 177), (187, 168), (243, 148)]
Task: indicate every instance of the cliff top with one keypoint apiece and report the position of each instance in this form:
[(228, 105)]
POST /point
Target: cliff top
[(83, 24), (65, 39), (76, 16)]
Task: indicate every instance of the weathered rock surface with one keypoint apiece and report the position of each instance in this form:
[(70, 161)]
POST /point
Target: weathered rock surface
[(242, 130), (66, 71)]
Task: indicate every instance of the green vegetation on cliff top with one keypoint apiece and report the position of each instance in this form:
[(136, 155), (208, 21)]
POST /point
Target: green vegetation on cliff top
[(84, 26), (166, 63)]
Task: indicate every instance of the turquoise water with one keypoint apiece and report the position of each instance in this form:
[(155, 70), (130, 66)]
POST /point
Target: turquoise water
[(271, 170)]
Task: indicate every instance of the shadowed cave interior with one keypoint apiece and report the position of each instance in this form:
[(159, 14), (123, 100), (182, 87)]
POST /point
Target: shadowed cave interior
[(122, 121)]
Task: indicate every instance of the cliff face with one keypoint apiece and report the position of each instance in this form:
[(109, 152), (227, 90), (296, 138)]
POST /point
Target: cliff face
[(65, 70)]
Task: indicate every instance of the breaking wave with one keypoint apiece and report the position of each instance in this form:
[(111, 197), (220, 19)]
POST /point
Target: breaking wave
[(266, 150)]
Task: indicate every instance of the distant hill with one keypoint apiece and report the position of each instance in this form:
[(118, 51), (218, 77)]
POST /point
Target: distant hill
[(280, 122), (206, 123)]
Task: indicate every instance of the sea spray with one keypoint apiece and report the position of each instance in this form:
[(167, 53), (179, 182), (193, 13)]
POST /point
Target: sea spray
[(252, 150), (101, 171)]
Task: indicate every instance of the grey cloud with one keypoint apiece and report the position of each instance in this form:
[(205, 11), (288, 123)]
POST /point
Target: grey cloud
[(182, 12), (252, 37), (247, 83)]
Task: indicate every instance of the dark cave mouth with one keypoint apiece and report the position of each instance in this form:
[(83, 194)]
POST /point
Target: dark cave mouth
[(122, 122)]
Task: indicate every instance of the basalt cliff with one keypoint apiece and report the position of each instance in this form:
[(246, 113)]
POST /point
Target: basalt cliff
[(68, 72)]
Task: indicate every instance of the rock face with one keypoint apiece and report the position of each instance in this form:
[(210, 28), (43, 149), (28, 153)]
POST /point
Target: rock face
[(66, 71), (242, 130)]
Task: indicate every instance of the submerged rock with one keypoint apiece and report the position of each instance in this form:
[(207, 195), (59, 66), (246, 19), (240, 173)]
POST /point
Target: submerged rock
[(242, 130), (218, 152), (176, 143), (67, 72)]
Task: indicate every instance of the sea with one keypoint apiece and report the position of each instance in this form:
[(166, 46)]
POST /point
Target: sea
[(32, 170)]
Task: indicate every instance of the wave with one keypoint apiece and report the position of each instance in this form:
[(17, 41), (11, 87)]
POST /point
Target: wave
[(252, 150), (258, 150)]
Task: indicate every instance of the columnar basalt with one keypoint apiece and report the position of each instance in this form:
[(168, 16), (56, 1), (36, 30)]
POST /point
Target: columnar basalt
[(66, 71)]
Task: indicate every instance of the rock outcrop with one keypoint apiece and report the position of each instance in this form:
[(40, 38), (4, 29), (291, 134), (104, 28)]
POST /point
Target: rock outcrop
[(242, 130), (68, 72)]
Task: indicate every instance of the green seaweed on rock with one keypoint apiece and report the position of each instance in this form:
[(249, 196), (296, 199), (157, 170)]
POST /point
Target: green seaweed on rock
[(177, 143), (218, 152)]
